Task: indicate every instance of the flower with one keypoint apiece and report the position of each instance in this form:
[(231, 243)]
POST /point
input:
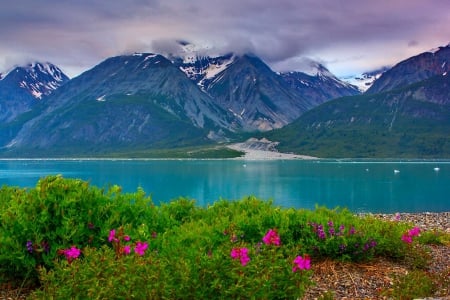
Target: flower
[(415, 231), (127, 249), (352, 230), (140, 248), (301, 263), (271, 237), (72, 253), (29, 246), (241, 254), (126, 238), (407, 238), (112, 236)]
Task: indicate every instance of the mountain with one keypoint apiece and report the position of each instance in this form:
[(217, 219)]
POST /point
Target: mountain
[(24, 86), (414, 69), (319, 83), (412, 121), (259, 98), (125, 102)]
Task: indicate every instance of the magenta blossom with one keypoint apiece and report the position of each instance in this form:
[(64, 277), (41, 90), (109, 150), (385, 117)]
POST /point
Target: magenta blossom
[(271, 237), (127, 249), (301, 263), (112, 236), (407, 238), (140, 248), (415, 231), (241, 254), (72, 253), (126, 238)]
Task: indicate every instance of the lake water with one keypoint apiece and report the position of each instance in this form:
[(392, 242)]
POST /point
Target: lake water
[(361, 186)]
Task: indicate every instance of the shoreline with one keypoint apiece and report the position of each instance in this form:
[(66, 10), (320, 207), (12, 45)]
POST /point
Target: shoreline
[(259, 154), (424, 220)]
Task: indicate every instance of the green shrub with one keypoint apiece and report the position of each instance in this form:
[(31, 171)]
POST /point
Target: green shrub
[(59, 213)]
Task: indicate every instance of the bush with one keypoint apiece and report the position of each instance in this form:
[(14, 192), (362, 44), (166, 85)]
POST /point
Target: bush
[(35, 224), (80, 241)]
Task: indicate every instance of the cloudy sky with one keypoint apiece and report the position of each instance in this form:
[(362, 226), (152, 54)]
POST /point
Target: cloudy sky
[(348, 36)]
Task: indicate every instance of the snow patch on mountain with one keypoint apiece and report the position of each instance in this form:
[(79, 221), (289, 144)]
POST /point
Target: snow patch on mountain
[(365, 80), (39, 79)]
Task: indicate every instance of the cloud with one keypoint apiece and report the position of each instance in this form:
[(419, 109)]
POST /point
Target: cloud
[(80, 33)]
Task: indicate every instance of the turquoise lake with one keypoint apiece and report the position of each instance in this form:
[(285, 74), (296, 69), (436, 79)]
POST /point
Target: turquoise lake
[(361, 186)]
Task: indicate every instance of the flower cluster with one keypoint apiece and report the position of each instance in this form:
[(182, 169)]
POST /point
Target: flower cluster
[(139, 248), (301, 263), (44, 247), (72, 253), (321, 234), (241, 254), (271, 238), (408, 236)]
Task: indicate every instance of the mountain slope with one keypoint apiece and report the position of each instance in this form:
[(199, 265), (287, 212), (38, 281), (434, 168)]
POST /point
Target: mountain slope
[(414, 69), (256, 95), (258, 98), (22, 87), (319, 84), (409, 122), (133, 101)]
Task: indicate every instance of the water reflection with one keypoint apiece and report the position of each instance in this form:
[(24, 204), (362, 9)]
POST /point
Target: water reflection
[(360, 186)]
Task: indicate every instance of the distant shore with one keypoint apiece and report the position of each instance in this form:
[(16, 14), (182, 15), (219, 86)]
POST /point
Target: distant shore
[(258, 154)]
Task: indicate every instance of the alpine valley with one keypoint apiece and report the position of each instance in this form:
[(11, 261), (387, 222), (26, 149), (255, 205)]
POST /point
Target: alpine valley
[(146, 105)]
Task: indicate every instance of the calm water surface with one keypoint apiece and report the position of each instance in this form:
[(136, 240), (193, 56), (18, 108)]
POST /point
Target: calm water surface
[(362, 186)]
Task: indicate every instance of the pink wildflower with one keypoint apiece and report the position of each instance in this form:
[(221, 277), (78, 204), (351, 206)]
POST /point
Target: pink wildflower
[(140, 248), (301, 263), (127, 249), (415, 231), (271, 237), (112, 236), (72, 253), (241, 254), (407, 238), (126, 238)]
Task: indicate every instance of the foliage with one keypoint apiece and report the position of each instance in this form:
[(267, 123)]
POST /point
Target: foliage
[(80, 241), (416, 284), (59, 213)]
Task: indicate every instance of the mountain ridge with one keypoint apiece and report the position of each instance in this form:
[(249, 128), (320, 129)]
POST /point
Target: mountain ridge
[(147, 101)]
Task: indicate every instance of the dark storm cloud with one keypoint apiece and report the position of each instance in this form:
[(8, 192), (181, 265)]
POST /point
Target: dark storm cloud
[(356, 33)]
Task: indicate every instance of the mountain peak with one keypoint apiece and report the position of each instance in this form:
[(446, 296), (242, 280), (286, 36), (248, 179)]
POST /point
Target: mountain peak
[(37, 78)]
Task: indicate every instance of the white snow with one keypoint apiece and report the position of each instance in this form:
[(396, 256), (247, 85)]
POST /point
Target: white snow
[(363, 81), (434, 50), (101, 98)]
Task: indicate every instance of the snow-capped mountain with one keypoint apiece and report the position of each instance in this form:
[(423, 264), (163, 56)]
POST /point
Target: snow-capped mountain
[(203, 69), (365, 80), (39, 79), (238, 84), (316, 82), (23, 86), (132, 101)]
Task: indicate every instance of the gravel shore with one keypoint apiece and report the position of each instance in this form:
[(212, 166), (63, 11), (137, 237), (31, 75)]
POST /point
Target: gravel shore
[(425, 220)]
